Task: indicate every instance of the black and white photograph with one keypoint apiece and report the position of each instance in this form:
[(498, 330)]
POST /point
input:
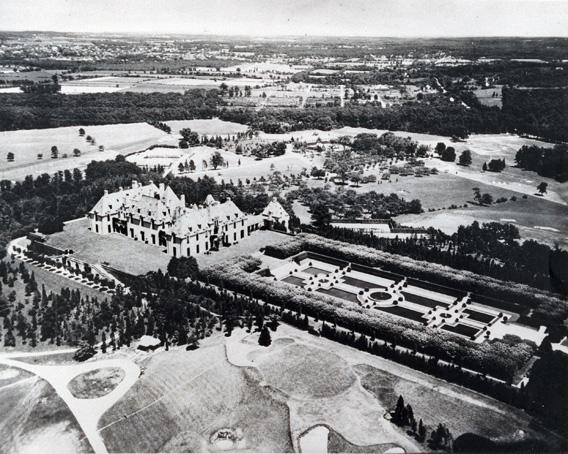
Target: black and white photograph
[(268, 226)]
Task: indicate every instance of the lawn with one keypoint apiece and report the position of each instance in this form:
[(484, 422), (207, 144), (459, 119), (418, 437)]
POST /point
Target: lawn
[(118, 251), (210, 127), (116, 139), (305, 372), (183, 398), (536, 219), (34, 419), (434, 400), (248, 245), (460, 328), (96, 383), (341, 294), (422, 301), (404, 312)]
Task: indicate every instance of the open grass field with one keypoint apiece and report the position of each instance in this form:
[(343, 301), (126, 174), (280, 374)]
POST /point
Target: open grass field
[(296, 370), (536, 219), (319, 387), (432, 399), (27, 144), (183, 398), (96, 383), (34, 419), (211, 127), (119, 251)]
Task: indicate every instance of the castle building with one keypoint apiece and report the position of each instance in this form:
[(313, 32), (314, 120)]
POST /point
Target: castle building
[(156, 215)]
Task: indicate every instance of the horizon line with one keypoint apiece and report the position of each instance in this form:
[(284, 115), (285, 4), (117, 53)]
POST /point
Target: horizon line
[(252, 36)]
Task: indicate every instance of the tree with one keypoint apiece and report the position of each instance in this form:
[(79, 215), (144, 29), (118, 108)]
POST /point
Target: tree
[(40, 156), (449, 154), (10, 157), (84, 352), (496, 165), (76, 152), (421, 431), (486, 199), (264, 339), (542, 187), (477, 194), (217, 160), (465, 158), (484, 167), (183, 267), (54, 152), (321, 216), (81, 132), (440, 147)]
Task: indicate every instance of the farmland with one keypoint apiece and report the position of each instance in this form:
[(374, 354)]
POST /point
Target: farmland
[(26, 145)]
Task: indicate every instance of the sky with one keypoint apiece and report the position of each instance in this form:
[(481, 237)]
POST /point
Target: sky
[(392, 18)]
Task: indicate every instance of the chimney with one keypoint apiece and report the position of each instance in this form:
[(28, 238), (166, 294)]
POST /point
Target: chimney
[(134, 184), (151, 182), (162, 187), (120, 188), (106, 191), (182, 198)]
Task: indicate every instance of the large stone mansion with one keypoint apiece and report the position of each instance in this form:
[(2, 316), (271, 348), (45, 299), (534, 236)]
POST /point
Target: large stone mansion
[(156, 215)]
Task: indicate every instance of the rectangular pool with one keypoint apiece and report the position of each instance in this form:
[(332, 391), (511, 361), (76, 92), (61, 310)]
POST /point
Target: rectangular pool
[(403, 312), (294, 280), (315, 271)]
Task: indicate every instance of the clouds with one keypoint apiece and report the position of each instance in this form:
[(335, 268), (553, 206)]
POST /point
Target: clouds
[(293, 17)]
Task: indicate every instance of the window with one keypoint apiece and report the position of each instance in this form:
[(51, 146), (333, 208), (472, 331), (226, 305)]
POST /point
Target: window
[(188, 252), (97, 228), (197, 249), (206, 246), (132, 233), (153, 239), (142, 236), (242, 233), (109, 229), (174, 251), (197, 237), (235, 236)]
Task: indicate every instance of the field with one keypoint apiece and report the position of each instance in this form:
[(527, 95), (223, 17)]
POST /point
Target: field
[(536, 219), (116, 139), (34, 419), (150, 84), (184, 398), (119, 251), (212, 127), (485, 96)]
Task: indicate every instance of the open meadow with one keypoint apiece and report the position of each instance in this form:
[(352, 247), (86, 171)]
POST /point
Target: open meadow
[(27, 145)]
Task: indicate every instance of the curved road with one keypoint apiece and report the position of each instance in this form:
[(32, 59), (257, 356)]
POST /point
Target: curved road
[(87, 412)]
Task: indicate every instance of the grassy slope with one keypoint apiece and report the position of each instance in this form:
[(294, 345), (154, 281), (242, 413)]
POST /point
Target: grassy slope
[(184, 397)]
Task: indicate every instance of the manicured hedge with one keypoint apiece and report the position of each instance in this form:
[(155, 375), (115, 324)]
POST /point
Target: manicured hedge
[(547, 308), (496, 358)]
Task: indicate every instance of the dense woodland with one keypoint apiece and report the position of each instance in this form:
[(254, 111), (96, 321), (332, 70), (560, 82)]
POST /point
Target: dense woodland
[(39, 110), (547, 162), (540, 112)]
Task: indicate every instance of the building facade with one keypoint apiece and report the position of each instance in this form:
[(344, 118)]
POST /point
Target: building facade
[(156, 215)]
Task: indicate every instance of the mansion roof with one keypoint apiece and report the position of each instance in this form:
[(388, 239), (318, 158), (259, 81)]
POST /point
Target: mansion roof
[(161, 205)]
